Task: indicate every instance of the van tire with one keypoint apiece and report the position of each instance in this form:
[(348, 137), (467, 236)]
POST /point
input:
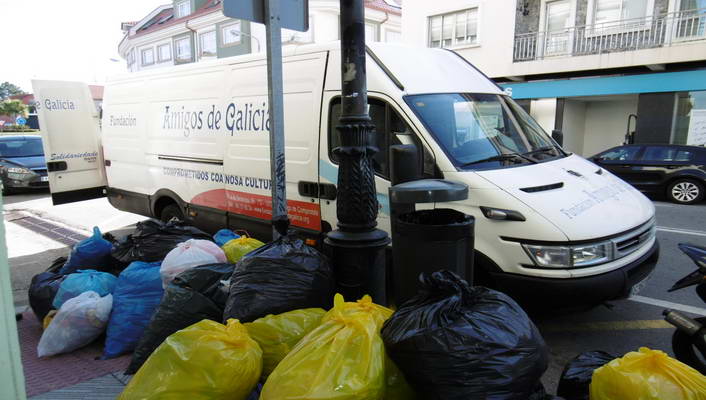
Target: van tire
[(171, 211), (685, 191)]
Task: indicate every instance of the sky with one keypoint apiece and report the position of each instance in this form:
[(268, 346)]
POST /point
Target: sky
[(65, 39)]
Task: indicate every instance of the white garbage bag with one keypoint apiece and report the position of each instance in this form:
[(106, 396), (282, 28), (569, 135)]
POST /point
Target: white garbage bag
[(79, 321), (185, 256), (209, 247)]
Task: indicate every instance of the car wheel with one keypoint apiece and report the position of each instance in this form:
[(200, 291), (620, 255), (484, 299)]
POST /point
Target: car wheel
[(171, 211), (685, 191)]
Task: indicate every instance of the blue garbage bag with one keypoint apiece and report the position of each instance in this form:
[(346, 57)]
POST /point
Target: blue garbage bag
[(93, 252), (136, 297), (224, 236), (84, 280)]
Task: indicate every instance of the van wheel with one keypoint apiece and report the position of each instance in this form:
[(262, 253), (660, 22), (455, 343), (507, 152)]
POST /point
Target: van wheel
[(685, 191), (171, 211)]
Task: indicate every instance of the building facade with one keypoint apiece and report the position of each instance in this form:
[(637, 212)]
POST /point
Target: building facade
[(596, 69), (187, 31)]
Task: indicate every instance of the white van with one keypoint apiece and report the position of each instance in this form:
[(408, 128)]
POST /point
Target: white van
[(192, 141)]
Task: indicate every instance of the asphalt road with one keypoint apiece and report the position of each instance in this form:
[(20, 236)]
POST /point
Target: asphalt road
[(617, 328)]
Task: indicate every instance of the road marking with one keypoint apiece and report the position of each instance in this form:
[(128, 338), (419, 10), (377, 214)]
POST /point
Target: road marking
[(668, 304), (606, 326), (682, 231)]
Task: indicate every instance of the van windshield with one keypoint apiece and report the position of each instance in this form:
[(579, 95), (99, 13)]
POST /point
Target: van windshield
[(483, 131)]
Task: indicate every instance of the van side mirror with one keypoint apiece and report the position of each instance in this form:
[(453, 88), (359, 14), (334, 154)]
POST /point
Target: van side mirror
[(558, 136), (404, 163)]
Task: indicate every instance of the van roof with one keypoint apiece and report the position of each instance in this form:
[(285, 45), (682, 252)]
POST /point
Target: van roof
[(419, 69)]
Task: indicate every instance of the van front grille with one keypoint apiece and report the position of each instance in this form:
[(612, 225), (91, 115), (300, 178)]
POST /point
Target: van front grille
[(632, 241)]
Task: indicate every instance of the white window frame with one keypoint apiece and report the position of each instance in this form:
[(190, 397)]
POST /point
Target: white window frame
[(179, 12), (388, 32), (240, 34), (215, 44), (142, 56), (541, 39), (176, 48), (454, 44), (591, 15), (376, 31), (159, 52)]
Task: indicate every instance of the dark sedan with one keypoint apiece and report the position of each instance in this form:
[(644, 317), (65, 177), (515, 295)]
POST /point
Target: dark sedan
[(22, 164), (677, 171)]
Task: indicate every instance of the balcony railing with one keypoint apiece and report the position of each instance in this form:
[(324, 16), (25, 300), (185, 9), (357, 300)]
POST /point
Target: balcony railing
[(623, 35)]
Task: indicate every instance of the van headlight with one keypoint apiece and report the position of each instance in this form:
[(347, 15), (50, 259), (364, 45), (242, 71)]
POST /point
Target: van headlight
[(583, 255)]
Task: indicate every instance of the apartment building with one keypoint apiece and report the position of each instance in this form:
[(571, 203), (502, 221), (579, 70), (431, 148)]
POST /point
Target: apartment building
[(596, 69), (187, 31)]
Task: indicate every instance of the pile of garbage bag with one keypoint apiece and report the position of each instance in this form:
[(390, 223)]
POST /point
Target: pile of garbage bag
[(281, 276), (153, 239), (194, 295), (453, 341), (91, 253)]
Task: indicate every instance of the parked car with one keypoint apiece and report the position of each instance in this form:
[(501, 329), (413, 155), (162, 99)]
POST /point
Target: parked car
[(22, 164), (677, 171)]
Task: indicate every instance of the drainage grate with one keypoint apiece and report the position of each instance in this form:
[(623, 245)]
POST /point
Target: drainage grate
[(50, 230)]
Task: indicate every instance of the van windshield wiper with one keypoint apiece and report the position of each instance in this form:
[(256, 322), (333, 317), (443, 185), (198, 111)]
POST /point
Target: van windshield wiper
[(501, 157), (543, 149)]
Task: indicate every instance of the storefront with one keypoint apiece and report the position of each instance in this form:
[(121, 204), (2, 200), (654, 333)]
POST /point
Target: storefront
[(599, 112)]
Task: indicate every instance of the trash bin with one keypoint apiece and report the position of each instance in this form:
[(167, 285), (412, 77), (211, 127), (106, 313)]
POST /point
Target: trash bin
[(428, 240)]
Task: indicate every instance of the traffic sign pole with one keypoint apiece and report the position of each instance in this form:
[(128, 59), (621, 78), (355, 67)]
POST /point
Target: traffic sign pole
[(273, 29)]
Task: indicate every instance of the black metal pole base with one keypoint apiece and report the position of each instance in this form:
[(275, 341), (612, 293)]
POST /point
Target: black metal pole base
[(359, 263)]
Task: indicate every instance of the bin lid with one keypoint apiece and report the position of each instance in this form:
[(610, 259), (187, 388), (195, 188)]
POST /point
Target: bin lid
[(428, 191)]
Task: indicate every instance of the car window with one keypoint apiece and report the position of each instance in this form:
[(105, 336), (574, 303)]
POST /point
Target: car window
[(620, 154), (664, 153), (21, 148)]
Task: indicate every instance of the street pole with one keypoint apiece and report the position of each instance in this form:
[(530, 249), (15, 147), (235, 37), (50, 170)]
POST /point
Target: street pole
[(280, 222), (357, 248)]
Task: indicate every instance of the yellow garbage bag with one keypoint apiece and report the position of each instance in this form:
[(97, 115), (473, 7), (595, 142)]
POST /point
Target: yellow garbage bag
[(235, 249), (48, 318), (647, 375), (278, 334), (342, 359), (207, 360)]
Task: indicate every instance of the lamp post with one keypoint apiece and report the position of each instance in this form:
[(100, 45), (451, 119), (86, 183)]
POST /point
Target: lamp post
[(357, 248)]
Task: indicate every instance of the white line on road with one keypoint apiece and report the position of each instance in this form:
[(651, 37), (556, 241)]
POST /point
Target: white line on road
[(682, 231), (668, 304)]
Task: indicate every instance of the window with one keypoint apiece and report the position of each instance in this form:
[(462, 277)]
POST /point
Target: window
[(230, 34), (164, 52), (454, 29), (131, 57), (183, 8), (483, 130), (390, 129), (689, 126), (147, 56), (664, 153), (207, 42), (183, 49), (617, 10), (371, 32), (393, 37), (620, 154)]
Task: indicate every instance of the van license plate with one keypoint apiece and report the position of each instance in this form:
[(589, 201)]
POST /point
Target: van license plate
[(45, 179), (640, 285)]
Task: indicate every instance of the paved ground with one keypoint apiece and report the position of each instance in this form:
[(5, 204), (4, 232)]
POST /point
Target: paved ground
[(618, 327)]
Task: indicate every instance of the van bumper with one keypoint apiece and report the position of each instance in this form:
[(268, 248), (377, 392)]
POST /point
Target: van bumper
[(590, 290)]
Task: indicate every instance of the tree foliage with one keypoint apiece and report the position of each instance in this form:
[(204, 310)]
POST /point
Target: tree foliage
[(13, 108), (8, 89)]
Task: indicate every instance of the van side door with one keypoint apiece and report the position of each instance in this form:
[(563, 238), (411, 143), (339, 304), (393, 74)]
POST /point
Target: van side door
[(391, 127), (71, 137)]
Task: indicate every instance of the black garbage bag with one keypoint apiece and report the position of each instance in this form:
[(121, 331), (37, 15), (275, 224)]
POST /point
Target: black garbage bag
[(43, 288), (540, 393), (454, 342), (577, 374), (281, 276), (153, 239), (194, 295)]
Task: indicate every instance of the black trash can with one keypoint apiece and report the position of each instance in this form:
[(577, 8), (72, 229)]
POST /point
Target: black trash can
[(428, 240)]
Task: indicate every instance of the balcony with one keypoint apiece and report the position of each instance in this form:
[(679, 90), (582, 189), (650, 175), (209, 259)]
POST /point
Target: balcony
[(618, 36)]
